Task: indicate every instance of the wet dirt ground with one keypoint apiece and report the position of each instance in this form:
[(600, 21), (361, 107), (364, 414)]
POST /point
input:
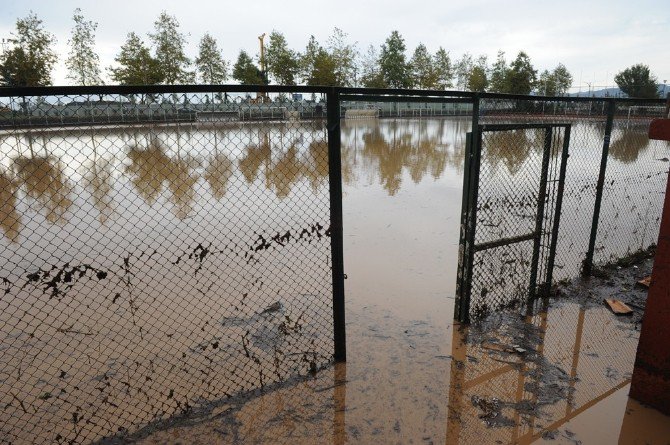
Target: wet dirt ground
[(557, 375)]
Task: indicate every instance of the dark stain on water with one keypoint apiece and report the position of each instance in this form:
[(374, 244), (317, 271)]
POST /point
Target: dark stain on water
[(57, 281)]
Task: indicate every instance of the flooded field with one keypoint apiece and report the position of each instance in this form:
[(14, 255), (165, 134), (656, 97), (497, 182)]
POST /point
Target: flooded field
[(560, 376), (135, 261)]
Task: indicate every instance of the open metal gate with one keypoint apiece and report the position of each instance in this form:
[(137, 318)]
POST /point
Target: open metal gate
[(512, 194)]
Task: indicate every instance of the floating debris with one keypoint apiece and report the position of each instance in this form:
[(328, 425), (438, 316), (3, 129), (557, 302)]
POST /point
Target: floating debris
[(618, 306)]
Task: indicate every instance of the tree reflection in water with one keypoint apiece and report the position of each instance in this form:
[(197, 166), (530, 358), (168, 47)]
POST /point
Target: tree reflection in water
[(148, 169), (629, 144), (219, 171), (400, 147), (98, 179), (316, 166), (256, 156), (46, 183), (279, 157), (511, 148), (151, 168), (10, 220), (218, 174), (181, 184)]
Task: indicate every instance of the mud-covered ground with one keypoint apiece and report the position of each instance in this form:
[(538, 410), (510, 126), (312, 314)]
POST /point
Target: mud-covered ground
[(557, 375)]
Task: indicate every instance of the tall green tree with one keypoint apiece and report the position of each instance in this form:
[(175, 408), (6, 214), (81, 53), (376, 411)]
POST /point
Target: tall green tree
[(371, 75), (31, 59), (477, 79), (546, 85), (393, 65), (324, 70), (498, 77), (83, 63), (444, 70), (210, 65), (283, 63), (245, 72), (463, 69), (169, 46), (136, 66), (563, 79), (344, 54), (556, 82), (521, 77), (423, 71), (637, 81), (308, 58)]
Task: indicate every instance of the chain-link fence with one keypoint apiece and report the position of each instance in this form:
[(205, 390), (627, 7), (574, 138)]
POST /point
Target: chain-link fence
[(516, 210), (159, 250), (587, 121), (167, 246), (611, 200), (634, 184)]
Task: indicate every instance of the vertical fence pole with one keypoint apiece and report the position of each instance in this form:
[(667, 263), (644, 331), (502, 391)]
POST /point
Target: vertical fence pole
[(539, 217), (468, 217), (461, 308), (336, 237), (588, 261), (558, 206)]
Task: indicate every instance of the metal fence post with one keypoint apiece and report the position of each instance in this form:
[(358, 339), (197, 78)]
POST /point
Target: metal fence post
[(539, 217), (558, 206), (336, 237), (588, 261), (468, 217)]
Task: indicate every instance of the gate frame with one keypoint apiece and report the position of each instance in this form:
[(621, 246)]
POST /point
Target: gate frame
[(471, 181)]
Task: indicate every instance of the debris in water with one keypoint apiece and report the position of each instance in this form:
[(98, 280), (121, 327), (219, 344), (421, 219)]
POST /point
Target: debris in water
[(274, 307), (491, 411), (646, 281), (618, 307), (503, 348)]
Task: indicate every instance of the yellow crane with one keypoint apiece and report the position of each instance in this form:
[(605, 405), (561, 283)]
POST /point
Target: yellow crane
[(262, 96)]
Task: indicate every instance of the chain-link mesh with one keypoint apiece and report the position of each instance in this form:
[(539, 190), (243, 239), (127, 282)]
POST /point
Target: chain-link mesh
[(165, 249), (587, 131), (632, 198), (518, 170), (634, 188), (158, 251)]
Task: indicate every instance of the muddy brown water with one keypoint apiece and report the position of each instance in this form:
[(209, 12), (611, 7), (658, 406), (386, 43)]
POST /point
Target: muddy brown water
[(144, 330), (409, 381)]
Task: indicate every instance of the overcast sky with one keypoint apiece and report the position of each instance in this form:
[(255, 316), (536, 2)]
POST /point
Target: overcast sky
[(594, 39)]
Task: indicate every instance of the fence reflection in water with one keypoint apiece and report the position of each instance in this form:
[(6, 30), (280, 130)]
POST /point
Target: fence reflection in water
[(572, 357)]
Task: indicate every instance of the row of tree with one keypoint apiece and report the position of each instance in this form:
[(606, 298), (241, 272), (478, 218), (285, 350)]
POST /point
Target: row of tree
[(337, 62)]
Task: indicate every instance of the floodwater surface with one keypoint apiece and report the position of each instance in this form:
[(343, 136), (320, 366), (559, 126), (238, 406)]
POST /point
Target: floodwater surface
[(154, 271)]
